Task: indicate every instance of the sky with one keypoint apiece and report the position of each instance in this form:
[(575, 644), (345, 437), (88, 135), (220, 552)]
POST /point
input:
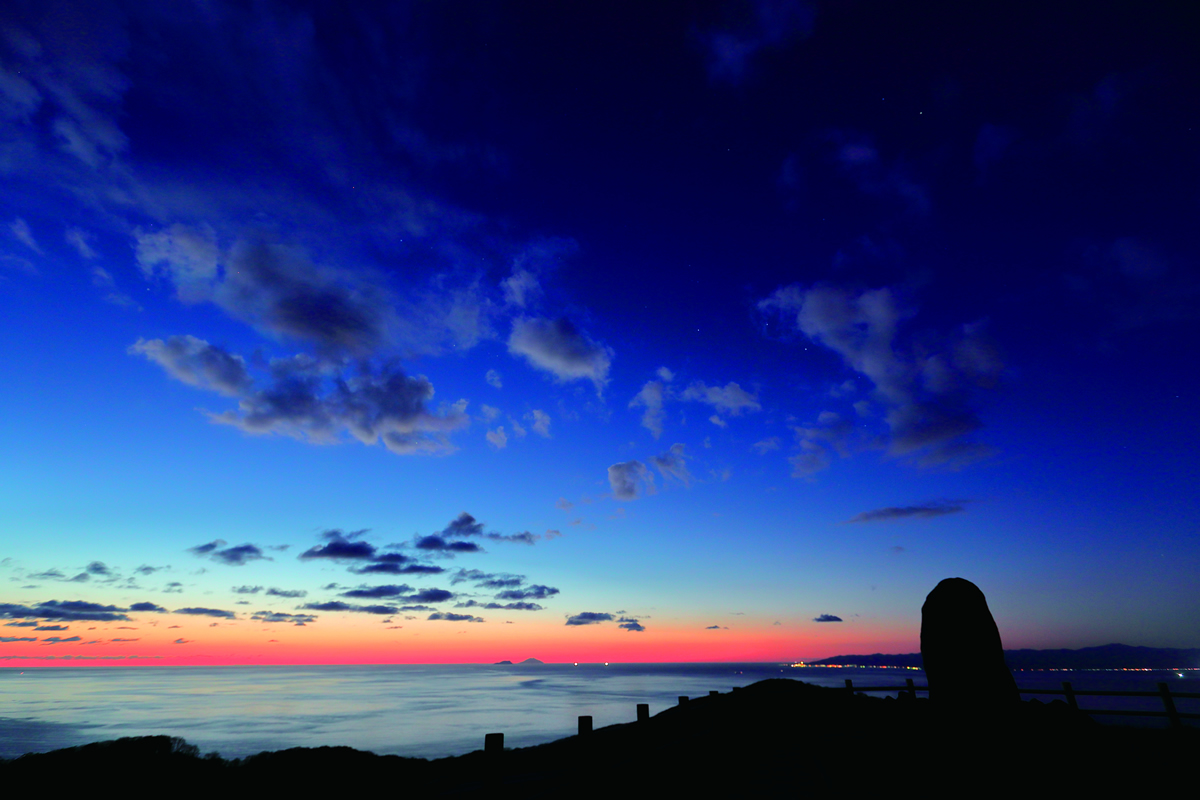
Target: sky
[(597, 331)]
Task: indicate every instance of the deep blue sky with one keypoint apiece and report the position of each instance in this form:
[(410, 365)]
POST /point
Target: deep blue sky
[(747, 313)]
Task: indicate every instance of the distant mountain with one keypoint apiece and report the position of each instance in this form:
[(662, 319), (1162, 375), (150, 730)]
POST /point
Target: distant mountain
[(503, 662), (532, 661), (1109, 656)]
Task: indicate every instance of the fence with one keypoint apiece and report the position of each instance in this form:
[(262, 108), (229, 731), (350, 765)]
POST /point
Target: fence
[(1164, 693), (494, 742)]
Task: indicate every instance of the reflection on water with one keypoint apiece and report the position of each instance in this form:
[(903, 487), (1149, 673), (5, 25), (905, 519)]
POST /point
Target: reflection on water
[(412, 710)]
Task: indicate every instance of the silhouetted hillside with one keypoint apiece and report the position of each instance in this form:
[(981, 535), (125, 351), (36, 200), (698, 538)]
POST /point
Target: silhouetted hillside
[(773, 737), (1109, 656)]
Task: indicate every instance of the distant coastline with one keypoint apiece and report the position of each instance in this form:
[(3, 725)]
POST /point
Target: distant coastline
[(1109, 656)]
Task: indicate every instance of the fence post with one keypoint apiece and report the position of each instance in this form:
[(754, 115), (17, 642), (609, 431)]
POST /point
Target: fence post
[(912, 690), (682, 699), (493, 743), (1070, 693), (849, 688), (713, 693), (1169, 704), (643, 712), (585, 725)]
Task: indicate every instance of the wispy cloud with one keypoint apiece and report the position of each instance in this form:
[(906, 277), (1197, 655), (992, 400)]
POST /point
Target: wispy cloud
[(929, 392), (754, 26), (920, 511)]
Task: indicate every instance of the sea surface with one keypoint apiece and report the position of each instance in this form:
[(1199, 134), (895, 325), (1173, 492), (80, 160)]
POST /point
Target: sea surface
[(426, 711)]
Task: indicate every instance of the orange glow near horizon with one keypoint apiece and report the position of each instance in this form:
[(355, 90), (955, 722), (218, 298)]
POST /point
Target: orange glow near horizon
[(356, 641)]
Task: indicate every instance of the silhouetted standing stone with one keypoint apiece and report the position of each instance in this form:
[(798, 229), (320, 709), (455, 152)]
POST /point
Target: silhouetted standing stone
[(960, 645)]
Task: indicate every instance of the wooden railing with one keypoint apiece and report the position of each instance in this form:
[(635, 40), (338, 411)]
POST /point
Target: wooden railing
[(1164, 693), (494, 742)]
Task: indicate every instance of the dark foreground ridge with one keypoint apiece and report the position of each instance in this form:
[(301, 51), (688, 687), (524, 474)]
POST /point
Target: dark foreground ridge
[(1108, 656), (773, 737)]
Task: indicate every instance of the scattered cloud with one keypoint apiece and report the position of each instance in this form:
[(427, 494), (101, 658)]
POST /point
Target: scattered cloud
[(766, 445), (206, 612), (523, 537), (827, 618), (498, 438), (861, 163), (520, 606), (197, 363), (831, 433), (273, 287), (626, 477), (79, 240), (921, 511), (651, 397), (520, 288), (67, 610), (452, 617), (376, 592), (768, 25), (341, 547), (20, 230), (535, 591), (539, 421), (628, 623), (337, 605), (148, 607), (463, 525), (299, 620), (377, 404), (287, 592), (436, 544), (233, 556), (493, 379), (673, 464), (730, 399), (314, 400), (928, 390), (557, 347)]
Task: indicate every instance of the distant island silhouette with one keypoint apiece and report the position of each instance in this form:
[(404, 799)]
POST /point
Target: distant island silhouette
[(526, 661), (1109, 656)]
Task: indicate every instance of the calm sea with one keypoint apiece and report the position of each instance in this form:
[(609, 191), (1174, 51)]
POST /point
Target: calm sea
[(411, 710)]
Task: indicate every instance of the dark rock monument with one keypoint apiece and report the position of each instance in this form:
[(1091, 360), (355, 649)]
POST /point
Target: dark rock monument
[(960, 645)]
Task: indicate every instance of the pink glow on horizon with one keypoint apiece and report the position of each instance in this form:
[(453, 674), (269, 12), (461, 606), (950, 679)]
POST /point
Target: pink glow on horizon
[(449, 643)]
